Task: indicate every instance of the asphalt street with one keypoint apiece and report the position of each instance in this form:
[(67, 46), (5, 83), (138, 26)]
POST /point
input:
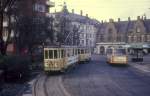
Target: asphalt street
[(97, 78)]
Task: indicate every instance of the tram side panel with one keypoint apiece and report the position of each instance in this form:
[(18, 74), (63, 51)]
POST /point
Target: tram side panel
[(59, 59), (84, 55), (71, 57)]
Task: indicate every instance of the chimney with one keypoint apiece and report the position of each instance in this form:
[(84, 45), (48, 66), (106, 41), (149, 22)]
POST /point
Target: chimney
[(118, 19), (102, 22), (81, 12), (138, 17), (86, 15), (129, 19), (111, 20), (73, 11), (144, 17)]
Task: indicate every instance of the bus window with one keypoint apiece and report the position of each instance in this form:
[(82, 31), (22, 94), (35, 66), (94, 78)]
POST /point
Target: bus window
[(46, 54), (50, 54), (55, 54)]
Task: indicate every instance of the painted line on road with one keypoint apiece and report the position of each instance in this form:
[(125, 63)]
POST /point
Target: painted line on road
[(63, 88)]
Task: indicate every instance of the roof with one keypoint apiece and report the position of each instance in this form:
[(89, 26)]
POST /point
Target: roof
[(147, 25), (76, 17), (126, 26), (121, 26)]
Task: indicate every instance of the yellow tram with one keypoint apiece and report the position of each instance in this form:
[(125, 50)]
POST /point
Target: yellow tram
[(84, 54), (60, 58), (117, 56)]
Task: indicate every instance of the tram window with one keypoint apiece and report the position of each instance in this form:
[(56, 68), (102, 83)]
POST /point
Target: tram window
[(86, 51), (50, 54), (78, 51), (73, 52), (46, 54), (68, 53), (55, 54), (62, 53), (82, 51), (120, 51)]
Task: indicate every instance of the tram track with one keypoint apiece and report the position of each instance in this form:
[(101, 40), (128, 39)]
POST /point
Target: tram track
[(49, 86), (39, 86), (55, 87)]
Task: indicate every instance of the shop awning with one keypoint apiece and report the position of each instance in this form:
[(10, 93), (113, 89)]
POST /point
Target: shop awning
[(139, 46)]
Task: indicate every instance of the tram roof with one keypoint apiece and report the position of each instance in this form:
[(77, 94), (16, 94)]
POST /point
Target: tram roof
[(62, 46)]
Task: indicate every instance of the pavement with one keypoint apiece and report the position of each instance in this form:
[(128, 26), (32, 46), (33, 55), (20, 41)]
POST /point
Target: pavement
[(142, 66), (27, 91)]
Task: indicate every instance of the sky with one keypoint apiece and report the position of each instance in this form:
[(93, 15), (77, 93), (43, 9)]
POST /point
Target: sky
[(106, 9)]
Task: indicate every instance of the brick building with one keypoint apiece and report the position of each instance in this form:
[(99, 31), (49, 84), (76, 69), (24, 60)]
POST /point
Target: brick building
[(123, 34)]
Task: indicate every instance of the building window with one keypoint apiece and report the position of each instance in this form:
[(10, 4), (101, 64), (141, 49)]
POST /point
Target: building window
[(148, 38), (110, 35), (129, 39), (142, 38), (119, 38), (145, 40), (101, 38), (139, 38), (132, 38), (135, 39), (82, 42), (39, 8), (138, 30)]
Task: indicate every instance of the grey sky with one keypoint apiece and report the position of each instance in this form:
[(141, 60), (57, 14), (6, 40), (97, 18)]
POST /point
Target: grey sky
[(105, 9)]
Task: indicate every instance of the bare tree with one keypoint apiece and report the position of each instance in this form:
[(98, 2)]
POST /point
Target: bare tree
[(5, 5)]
